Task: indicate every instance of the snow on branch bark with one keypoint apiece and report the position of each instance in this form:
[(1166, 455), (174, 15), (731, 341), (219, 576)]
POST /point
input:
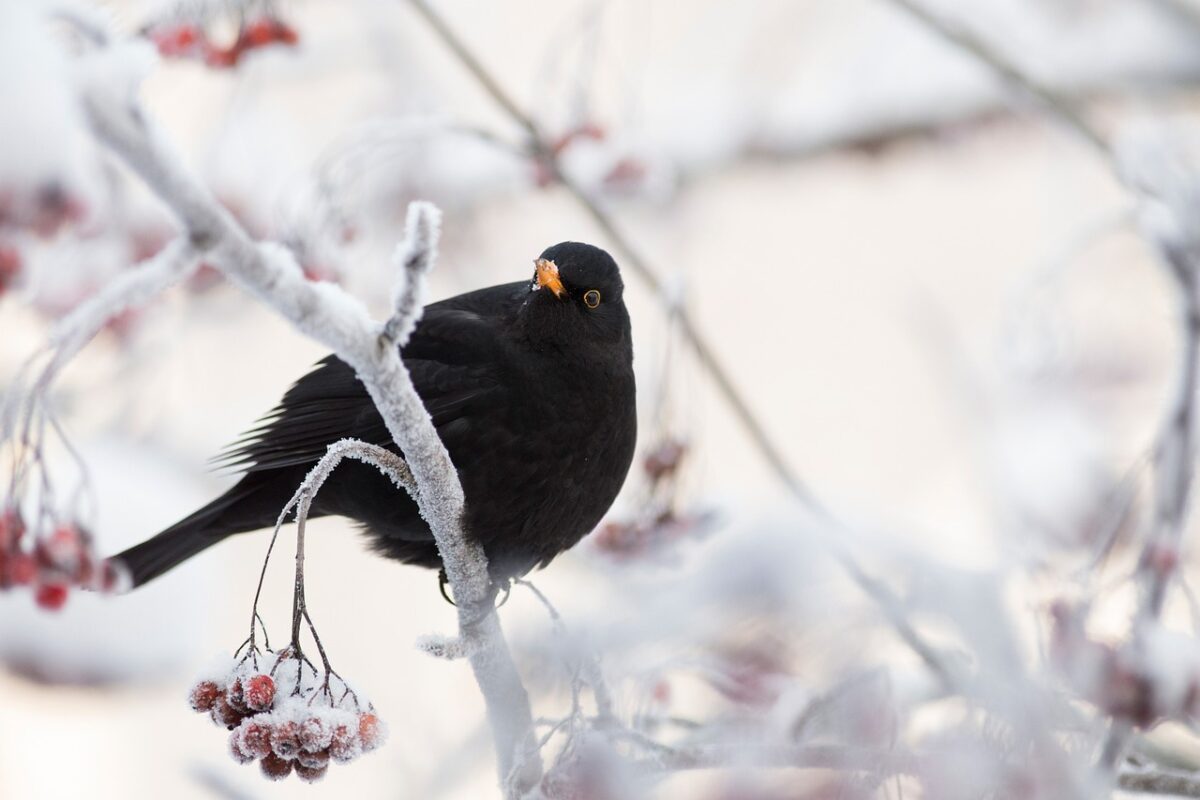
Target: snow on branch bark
[(327, 314)]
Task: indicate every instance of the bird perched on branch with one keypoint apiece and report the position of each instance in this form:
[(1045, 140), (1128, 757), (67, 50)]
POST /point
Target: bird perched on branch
[(530, 386)]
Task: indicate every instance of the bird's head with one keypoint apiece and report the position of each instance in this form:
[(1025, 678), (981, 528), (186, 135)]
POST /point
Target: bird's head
[(576, 297)]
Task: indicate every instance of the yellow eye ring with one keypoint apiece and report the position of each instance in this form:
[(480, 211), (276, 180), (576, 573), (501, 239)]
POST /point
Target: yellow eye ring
[(591, 298)]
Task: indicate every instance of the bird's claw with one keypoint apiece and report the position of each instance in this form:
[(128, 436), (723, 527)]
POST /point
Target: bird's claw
[(444, 581)]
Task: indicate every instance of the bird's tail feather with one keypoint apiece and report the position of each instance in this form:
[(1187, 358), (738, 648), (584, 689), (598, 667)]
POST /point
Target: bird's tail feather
[(236, 511)]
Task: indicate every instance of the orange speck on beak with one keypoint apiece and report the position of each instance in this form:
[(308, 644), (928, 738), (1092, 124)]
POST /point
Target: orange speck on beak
[(547, 277)]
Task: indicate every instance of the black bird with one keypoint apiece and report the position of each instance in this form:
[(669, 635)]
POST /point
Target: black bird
[(531, 388)]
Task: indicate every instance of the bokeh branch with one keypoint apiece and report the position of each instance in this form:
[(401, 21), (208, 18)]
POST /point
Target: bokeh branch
[(958, 35)]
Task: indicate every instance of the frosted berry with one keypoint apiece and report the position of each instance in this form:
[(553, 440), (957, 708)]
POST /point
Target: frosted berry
[(259, 692), (275, 767), (236, 751), (225, 714), (311, 774), (315, 735), (370, 731), (285, 740), (51, 596), (204, 696), (254, 738), (345, 745), (236, 698)]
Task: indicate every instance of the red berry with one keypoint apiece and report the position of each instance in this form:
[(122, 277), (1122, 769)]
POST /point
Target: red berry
[(315, 735), (22, 569), (10, 265), (175, 40), (235, 749), (259, 692), (285, 740), (12, 527), (51, 596), (285, 33), (345, 745), (311, 774), (370, 731), (204, 695), (184, 37), (275, 767), (254, 738), (314, 760), (236, 698), (225, 714), (258, 33), (221, 58)]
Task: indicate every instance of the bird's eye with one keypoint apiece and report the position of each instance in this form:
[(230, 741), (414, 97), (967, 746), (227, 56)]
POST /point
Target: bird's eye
[(591, 298)]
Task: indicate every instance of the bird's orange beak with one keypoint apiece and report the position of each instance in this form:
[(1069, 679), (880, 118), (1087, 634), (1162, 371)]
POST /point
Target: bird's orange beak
[(547, 277)]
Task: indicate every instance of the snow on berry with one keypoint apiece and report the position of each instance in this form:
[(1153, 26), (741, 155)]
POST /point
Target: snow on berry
[(371, 731), (254, 738), (224, 714), (345, 746), (204, 695), (315, 735), (235, 698), (259, 692), (285, 740), (287, 714), (236, 751)]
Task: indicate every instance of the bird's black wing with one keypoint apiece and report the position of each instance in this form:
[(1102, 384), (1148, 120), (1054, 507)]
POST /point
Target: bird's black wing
[(452, 356)]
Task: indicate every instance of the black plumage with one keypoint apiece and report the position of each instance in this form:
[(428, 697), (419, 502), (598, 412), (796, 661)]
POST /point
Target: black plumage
[(531, 388)]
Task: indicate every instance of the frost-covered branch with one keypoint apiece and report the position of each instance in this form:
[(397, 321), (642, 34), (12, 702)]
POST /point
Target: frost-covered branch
[(1161, 782), (327, 314)]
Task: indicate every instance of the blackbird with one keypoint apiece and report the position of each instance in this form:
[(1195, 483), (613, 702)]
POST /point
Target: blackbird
[(530, 386)]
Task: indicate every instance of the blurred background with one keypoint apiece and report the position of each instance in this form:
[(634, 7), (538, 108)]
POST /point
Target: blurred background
[(932, 295)]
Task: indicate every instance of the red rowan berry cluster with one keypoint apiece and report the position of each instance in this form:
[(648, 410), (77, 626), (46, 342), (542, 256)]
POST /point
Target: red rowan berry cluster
[(285, 714), (190, 40), (51, 563)]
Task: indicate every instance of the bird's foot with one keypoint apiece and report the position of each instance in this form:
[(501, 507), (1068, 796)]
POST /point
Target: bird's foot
[(493, 590)]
